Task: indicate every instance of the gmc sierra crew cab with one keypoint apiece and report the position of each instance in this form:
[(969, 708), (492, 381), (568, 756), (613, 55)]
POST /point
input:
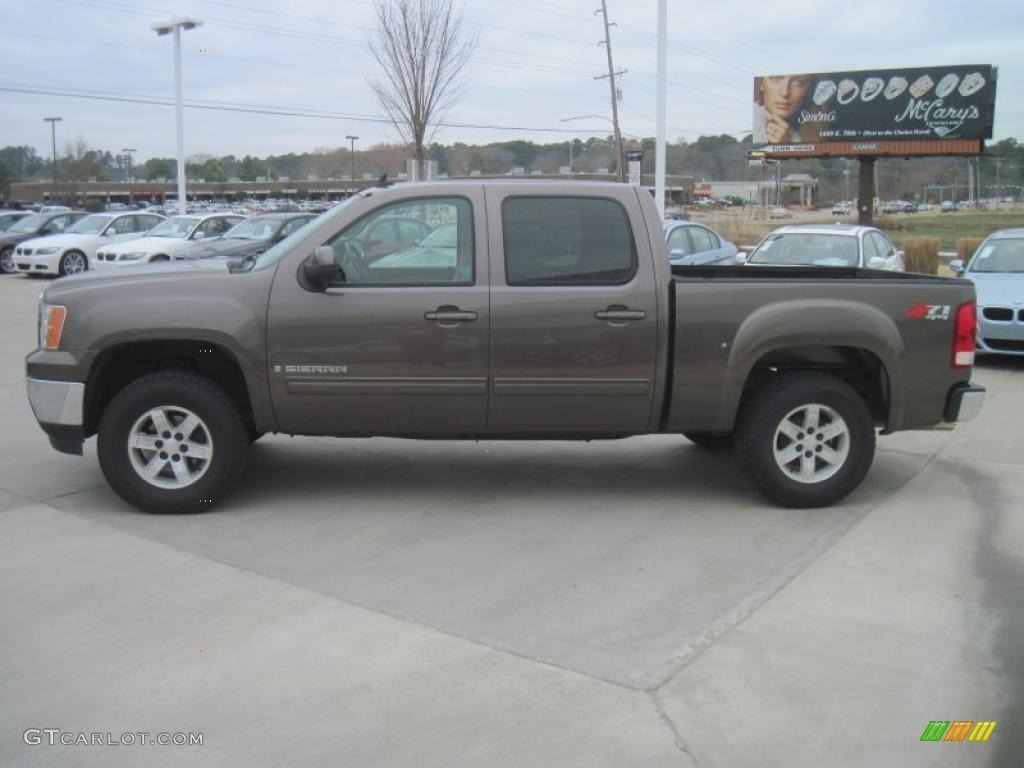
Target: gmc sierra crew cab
[(495, 310)]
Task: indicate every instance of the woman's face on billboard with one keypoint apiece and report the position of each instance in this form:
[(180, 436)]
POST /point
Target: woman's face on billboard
[(783, 95)]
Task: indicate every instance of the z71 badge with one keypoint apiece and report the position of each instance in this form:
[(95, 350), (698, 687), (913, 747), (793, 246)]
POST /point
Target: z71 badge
[(928, 312)]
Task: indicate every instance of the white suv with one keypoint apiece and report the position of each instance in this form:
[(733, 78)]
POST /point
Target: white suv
[(73, 252), (169, 240)]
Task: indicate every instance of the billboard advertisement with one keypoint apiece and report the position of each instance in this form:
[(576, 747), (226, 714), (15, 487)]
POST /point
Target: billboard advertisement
[(920, 104)]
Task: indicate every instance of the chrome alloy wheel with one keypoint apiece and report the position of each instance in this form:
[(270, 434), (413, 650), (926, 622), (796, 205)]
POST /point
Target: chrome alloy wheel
[(170, 447), (811, 443), (74, 264)]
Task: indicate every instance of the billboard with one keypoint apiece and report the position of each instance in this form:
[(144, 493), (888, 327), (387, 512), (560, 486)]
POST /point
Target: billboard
[(885, 105)]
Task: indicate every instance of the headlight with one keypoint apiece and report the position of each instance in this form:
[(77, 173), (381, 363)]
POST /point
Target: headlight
[(134, 256), (51, 325), (46, 251)]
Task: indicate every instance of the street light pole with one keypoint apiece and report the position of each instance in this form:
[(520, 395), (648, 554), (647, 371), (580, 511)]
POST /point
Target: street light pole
[(352, 153), (128, 153), (176, 25), (660, 160), (53, 134)]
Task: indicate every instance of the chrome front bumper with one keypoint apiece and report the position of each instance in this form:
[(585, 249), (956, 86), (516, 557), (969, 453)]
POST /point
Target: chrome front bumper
[(56, 402)]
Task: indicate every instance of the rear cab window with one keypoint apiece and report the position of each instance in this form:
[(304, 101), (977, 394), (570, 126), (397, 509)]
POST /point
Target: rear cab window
[(567, 241)]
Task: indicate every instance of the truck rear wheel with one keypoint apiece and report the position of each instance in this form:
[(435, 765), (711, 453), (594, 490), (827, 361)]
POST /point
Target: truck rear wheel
[(172, 442), (806, 439)]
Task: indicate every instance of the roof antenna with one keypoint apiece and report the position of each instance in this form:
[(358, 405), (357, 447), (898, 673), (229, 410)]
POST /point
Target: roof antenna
[(383, 181)]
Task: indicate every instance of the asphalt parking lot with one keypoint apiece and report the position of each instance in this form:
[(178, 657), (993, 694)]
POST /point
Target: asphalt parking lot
[(628, 603)]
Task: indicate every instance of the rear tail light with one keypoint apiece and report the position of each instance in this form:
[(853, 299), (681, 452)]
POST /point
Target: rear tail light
[(963, 335)]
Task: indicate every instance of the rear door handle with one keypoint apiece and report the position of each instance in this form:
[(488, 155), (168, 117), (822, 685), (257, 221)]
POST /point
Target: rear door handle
[(620, 314), (449, 315)]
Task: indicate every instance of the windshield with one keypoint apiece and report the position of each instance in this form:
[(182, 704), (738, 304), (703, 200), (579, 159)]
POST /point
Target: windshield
[(999, 256), (276, 252), (179, 227), (807, 249), (29, 223), (255, 229), (90, 225)]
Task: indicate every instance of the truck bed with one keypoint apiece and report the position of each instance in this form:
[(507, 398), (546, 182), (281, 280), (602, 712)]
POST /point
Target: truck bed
[(735, 324)]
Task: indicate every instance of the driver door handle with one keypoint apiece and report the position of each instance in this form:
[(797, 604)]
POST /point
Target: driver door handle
[(449, 315), (620, 314)]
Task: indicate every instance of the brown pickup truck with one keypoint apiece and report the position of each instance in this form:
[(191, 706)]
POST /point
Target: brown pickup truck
[(494, 310)]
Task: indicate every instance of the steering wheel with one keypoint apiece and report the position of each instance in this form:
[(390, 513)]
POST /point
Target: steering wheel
[(353, 263)]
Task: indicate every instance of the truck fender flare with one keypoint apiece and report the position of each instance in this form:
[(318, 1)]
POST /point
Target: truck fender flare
[(816, 323)]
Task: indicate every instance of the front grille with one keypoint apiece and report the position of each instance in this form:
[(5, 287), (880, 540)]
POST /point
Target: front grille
[(1005, 345), (24, 251), (24, 266), (1020, 316), (999, 314)]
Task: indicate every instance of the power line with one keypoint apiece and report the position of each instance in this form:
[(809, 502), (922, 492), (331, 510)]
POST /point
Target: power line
[(264, 110)]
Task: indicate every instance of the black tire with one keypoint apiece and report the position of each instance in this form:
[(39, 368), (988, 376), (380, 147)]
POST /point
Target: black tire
[(711, 441), (7, 261), (173, 389), (62, 268), (757, 438)]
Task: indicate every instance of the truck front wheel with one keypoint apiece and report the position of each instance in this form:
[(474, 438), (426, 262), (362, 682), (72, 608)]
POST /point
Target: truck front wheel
[(806, 439), (172, 442)]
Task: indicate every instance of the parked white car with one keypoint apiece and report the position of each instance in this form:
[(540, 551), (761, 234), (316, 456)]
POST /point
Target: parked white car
[(73, 252), (827, 245), (165, 242)]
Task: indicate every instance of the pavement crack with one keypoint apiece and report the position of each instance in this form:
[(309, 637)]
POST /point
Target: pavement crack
[(734, 618), (442, 630), (680, 742)]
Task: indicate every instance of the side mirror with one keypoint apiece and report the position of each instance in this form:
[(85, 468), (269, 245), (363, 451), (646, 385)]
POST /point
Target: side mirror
[(198, 234), (741, 258), (876, 262), (676, 253), (957, 265), (320, 268)]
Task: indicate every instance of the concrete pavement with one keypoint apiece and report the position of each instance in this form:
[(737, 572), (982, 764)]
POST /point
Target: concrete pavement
[(381, 602)]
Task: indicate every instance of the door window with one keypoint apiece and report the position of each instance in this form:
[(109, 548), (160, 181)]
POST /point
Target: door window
[(292, 226), (871, 248), (567, 241), (679, 241), (884, 247), (702, 240), (440, 254), (122, 226), (58, 224)]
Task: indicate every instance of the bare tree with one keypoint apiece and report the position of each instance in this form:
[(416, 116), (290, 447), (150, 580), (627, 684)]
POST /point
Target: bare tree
[(423, 51)]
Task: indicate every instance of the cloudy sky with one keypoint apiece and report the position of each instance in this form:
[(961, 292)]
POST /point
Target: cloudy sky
[(533, 68)]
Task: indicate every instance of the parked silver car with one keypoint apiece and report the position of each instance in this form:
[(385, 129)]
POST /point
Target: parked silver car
[(690, 243), (827, 245), (997, 271)]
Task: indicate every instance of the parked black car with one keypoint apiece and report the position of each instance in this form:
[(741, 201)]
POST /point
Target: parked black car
[(251, 237), (36, 225)]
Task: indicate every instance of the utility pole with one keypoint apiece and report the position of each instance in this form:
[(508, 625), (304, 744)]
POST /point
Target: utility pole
[(614, 90), (53, 134)]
